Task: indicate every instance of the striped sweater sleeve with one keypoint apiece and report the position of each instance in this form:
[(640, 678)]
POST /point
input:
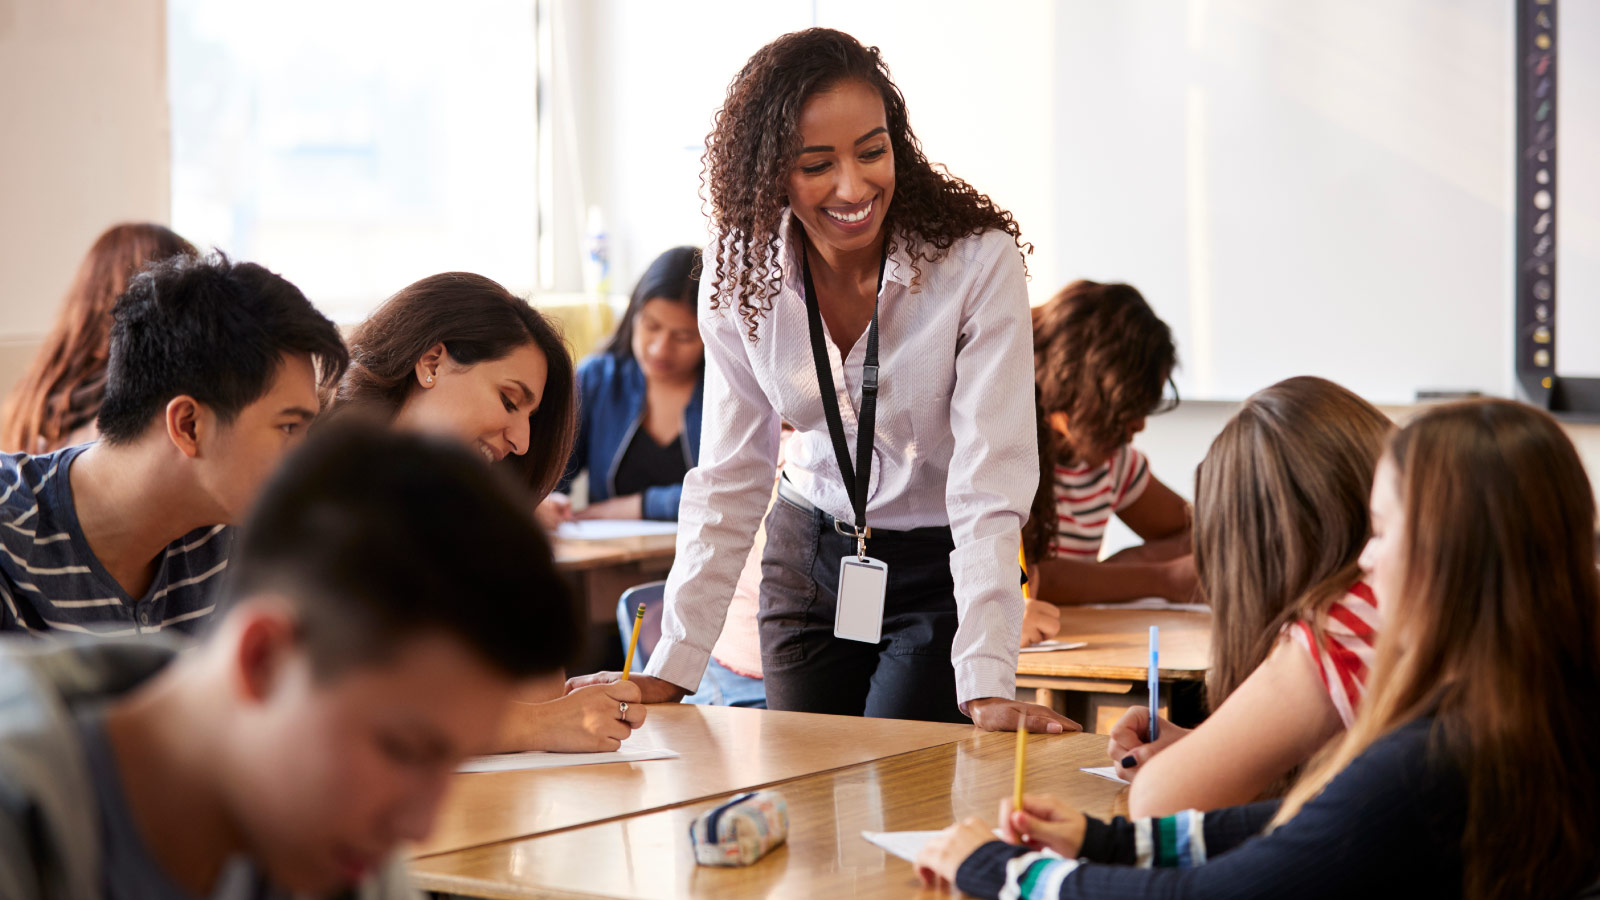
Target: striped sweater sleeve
[(1179, 841), (1389, 825)]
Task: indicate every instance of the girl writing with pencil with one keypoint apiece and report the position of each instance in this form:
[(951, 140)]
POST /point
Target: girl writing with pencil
[(1103, 364), (458, 355), (877, 304), (1469, 770), (1280, 520)]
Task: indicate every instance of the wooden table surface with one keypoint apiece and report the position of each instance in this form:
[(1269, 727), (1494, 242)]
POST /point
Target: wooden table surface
[(648, 857), (723, 749), (579, 555), (1119, 645)]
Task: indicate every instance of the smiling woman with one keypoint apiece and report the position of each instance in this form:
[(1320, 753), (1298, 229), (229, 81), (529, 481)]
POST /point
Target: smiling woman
[(457, 354), (846, 266)]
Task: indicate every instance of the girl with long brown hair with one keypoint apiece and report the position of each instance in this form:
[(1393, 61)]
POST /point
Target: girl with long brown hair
[(1470, 770), (1280, 520), (878, 304), (1101, 361), (459, 355), (56, 400)]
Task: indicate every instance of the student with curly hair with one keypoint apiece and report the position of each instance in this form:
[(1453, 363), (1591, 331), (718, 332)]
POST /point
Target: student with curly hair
[(878, 305), (1101, 358)]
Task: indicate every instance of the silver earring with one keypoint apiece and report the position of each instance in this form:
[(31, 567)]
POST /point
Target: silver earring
[(430, 379)]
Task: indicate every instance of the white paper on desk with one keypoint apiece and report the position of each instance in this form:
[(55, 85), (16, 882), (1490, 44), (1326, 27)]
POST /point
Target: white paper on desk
[(1159, 603), (907, 844), (1047, 646), (538, 759), (1105, 772), (609, 529)]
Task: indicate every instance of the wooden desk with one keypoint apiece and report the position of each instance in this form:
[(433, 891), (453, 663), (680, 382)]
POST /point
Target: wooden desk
[(1117, 658), (724, 750), (601, 570), (649, 856)]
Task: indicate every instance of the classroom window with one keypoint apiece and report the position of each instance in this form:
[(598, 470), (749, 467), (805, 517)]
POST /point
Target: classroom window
[(355, 146)]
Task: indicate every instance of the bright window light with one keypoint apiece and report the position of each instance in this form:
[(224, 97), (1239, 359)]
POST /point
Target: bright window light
[(354, 146)]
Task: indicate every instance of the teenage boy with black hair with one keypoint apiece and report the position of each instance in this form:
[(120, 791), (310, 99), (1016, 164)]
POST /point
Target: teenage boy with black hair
[(387, 598), (213, 375)]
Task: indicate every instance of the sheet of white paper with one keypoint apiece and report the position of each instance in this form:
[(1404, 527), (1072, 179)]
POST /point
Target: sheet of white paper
[(1150, 603), (606, 529), (1105, 772), (907, 844), (904, 844), (1047, 646), (538, 759)]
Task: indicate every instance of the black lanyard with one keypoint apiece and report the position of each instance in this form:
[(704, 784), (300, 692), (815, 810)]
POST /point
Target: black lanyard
[(856, 477)]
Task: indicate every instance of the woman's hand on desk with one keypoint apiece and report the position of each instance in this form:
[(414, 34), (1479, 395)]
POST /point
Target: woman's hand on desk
[(587, 720), (1041, 621), (999, 714), (629, 507), (1130, 740), (653, 690)]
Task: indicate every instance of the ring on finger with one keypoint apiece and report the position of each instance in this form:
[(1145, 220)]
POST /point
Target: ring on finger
[(623, 709)]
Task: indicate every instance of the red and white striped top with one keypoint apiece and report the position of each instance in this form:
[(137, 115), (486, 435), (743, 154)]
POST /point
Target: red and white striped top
[(1348, 648), (1087, 497)]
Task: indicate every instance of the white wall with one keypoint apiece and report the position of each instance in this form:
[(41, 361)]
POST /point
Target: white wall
[(1177, 441), (83, 99)]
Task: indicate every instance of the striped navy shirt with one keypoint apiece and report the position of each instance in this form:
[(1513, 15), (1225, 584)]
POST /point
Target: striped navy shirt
[(51, 581)]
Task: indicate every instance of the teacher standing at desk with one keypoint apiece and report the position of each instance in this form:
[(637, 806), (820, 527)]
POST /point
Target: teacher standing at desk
[(879, 307)]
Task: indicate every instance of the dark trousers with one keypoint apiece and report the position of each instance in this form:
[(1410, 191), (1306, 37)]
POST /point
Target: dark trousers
[(907, 674)]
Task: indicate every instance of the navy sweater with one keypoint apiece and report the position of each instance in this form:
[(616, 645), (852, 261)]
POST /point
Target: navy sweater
[(1389, 825)]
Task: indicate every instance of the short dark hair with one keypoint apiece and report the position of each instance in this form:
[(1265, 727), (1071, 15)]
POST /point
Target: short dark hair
[(675, 275), (213, 329), (477, 320), (378, 536)]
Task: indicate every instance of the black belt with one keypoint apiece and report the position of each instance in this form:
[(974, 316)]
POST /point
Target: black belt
[(788, 493)]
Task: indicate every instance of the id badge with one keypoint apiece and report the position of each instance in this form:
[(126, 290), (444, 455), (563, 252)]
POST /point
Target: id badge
[(858, 615)]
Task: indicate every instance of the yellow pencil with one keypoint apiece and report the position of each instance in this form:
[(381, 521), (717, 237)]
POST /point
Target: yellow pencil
[(1022, 761), (1022, 560), (638, 619)]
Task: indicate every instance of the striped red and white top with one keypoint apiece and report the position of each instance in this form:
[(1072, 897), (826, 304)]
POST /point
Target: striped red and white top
[(1347, 650), (1087, 497)]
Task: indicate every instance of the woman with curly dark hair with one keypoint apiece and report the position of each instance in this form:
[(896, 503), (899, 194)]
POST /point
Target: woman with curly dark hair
[(1101, 359), (878, 305)]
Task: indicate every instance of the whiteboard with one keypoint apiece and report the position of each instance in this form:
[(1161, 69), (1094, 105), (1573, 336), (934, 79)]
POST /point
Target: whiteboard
[(1320, 187)]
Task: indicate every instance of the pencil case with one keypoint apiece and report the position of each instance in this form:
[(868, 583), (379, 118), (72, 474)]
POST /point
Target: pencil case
[(741, 831)]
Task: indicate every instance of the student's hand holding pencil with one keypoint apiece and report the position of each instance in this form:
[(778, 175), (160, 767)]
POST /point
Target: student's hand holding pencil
[(654, 690), (1130, 744), (587, 720), (1043, 823)]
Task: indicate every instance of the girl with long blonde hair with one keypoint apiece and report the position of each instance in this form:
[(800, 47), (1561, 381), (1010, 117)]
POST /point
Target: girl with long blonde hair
[(1470, 770)]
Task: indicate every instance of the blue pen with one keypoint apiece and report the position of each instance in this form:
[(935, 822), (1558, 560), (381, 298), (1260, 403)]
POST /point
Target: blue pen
[(1155, 681)]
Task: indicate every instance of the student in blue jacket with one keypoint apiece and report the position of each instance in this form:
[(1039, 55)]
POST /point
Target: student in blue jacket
[(639, 414)]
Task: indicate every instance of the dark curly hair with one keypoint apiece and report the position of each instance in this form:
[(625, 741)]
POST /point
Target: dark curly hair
[(753, 145), (1102, 356)]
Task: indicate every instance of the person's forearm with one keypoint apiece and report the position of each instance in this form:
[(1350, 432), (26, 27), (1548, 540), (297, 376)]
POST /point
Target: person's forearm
[(1070, 582), (1155, 551)]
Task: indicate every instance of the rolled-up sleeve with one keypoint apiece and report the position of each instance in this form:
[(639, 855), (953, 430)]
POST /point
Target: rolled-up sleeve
[(723, 498), (994, 472)]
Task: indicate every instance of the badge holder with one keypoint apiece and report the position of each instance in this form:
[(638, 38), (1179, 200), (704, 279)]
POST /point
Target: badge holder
[(863, 583)]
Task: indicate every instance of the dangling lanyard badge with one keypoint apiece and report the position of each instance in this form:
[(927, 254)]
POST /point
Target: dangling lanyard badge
[(862, 580)]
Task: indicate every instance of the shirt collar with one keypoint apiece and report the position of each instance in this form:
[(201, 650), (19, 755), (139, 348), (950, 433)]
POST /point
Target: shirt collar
[(897, 270)]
